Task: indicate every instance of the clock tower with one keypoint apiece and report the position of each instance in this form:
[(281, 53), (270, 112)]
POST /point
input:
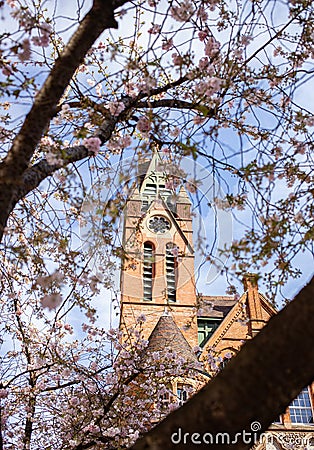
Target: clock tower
[(157, 281), (158, 272)]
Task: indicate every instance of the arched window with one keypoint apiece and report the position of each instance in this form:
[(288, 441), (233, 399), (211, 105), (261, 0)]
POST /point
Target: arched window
[(183, 391), (171, 263), (148, 271)]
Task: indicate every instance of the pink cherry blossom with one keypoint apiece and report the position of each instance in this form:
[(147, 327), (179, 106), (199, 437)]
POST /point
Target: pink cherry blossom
[(69, 328), (3, 393), (74, 401), (202, 35), (93, 145), (51, 301), (117, 143), (198, 120), (202, 14), (167, 44), (177, 59), (25, 54), (147, 83), (98, 89), (183, 12), (47, 281), (143, 124), (175, 251), (130, 89), (155, 29), (44, 35), (191, 186), (93, 366), (141, 318), (212, 47), (175, 132), (116, 108), (126, 141), (203, 63)]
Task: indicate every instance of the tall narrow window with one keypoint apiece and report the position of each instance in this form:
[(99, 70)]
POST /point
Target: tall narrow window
[(171, 272), (148, 271)]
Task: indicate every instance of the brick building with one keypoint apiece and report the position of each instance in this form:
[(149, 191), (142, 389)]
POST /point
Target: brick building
[(158, 281)]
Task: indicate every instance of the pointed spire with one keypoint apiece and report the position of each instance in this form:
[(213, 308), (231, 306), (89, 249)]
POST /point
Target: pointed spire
[(184, 195), (166, 335)]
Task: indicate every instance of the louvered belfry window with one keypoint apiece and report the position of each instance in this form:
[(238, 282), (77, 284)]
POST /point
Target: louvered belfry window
[(148, 271), (171, 273)]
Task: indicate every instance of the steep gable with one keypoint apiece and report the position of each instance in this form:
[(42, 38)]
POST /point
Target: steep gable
[(240, 321)]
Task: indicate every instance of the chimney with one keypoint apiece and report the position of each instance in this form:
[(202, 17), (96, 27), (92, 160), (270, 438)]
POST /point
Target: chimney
[(253, 302)]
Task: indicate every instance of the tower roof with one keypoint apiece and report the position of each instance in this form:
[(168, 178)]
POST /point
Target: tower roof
[(148, 166), (167, 335)]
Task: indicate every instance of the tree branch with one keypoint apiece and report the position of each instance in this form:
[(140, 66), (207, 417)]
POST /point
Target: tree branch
[(248, 389), (175, 103), (99, 18), (35, 174)]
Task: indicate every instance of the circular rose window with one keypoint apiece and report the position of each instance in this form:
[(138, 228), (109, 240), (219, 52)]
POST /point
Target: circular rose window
[(159, 224)]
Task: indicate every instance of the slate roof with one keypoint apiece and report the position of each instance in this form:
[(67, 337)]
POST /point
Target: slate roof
[(215, 306), (166, 334)]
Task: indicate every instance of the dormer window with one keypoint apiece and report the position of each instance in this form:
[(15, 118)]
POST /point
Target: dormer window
[(206, 328)]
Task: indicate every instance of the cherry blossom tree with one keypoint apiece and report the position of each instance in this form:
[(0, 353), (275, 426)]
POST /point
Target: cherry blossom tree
[(74, 394), (91, 83)]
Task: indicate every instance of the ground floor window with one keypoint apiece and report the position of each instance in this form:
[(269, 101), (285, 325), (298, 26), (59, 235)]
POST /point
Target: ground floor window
[(301, 409)]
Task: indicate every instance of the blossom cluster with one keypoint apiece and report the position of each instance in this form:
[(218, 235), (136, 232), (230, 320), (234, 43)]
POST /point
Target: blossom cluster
[(30, 24), (116, 108), (93, 145), (183, 12), (52, 151), (118, 142)]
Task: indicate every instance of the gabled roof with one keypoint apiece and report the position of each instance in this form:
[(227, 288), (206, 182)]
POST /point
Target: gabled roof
[(163, 206), (267, 304), (167, 335), (231, 311)]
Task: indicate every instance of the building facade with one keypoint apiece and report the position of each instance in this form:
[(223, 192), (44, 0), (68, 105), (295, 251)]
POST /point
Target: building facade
[(158, 281)]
